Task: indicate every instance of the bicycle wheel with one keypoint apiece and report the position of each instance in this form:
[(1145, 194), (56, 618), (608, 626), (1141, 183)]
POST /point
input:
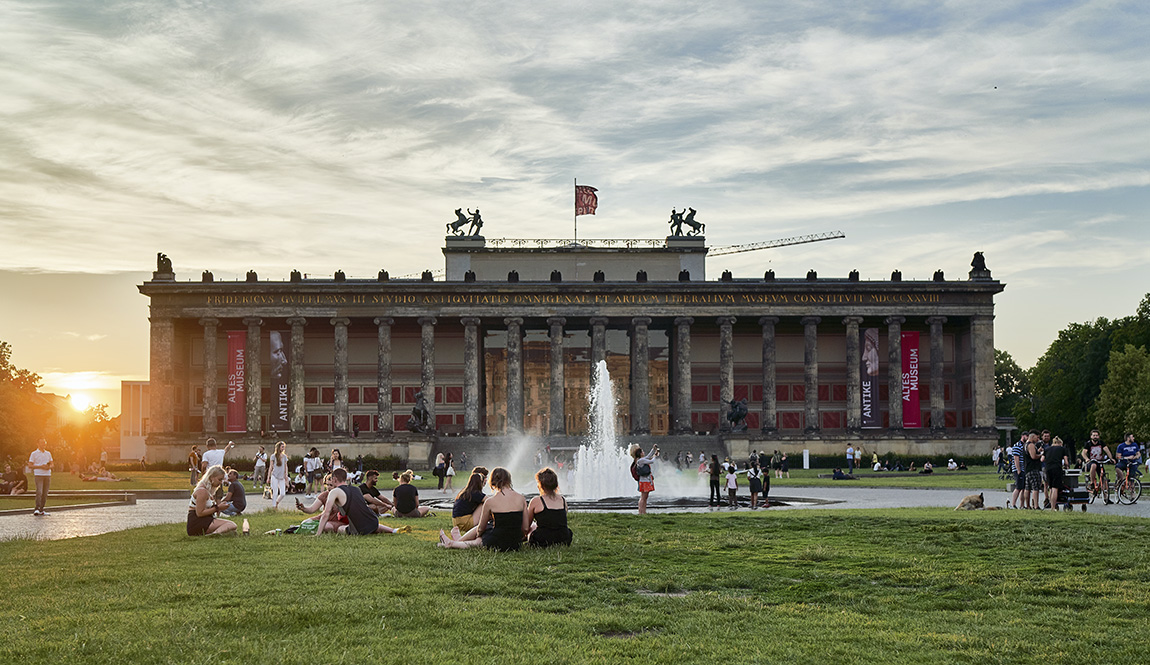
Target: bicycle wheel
[(1129, 491)]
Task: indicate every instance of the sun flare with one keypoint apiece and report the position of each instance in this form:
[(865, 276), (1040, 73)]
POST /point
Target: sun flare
[(80, 402)]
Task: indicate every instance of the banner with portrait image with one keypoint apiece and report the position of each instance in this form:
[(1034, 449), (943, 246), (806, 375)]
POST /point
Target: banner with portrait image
[(237, 396), (281, 390), (911, 411), (868, 373)]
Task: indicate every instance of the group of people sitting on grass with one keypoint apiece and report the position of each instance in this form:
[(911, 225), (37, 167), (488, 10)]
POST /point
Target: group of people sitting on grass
[(505, 519), (98, 472)]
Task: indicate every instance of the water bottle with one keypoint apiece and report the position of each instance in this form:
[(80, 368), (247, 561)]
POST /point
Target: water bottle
[(247, 527)]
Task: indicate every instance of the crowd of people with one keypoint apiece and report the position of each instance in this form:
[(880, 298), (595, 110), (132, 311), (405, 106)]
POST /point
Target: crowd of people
[(1038, 461)]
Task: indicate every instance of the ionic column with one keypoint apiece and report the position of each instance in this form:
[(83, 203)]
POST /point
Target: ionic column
[(383, 375), (640, 376), (297, 404), (340, 424), (982, 370), (514, 374), (854, 378), (769, 414), (894, 369), (726, 369), (427, 365), (252, 366), (161, 376), (211, 374), (811, 371), (598, 344), (937, 361), (558, 413), (470, 374), (683, 374)]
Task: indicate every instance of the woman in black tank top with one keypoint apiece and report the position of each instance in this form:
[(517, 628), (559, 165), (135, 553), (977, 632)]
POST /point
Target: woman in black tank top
[(505, 509), (548, 511)]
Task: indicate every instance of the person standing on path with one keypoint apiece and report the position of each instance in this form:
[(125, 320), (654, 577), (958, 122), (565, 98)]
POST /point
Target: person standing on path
[(194, 464), (641, 469), (278, 473), (850, 459), (715, 468), (214, 456), (261, 460), (732, 487), (40, 461), (859, 456), (1032, 462)]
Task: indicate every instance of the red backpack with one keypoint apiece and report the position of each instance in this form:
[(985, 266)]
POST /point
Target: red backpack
[(634, 470)]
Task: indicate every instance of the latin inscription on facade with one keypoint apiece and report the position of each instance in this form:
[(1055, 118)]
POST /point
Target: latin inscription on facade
[(375, 299)]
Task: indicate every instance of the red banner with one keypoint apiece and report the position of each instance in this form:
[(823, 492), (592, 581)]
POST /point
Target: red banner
[(911, 411), (585, 200), (237, 396)]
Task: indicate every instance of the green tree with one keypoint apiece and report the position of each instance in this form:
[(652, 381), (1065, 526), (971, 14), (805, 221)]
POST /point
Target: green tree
[(1011, 384), (1122, 404), (22, 417), (86, 435)]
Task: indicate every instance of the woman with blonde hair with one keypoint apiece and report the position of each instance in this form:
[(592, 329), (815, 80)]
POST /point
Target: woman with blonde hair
[(550, 521), (278, 473), (406, 498), (204, 508), (505, 509)]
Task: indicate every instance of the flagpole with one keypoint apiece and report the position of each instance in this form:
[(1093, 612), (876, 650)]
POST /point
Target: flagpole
[(575, 217)]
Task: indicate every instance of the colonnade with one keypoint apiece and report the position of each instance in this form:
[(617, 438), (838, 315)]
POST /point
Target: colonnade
[(982, 371)]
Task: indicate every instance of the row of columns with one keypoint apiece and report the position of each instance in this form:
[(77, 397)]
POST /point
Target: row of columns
[(982, 371)]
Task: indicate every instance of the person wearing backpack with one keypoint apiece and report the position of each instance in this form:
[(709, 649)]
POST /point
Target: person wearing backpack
[(641, 471)]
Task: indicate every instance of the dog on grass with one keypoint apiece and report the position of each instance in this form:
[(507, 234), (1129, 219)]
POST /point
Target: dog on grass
[(972, 502)]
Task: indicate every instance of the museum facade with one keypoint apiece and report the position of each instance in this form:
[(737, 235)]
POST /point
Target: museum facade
[(504, 345)]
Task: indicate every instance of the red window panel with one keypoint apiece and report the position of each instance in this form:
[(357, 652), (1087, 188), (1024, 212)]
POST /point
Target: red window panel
[(924, 418), (439, 395), (396, 395), (319, 423), (709, 418), (199, 398), (409, 394), (923, 391), (824, 393), (791, 419), (363, 421), (311, 395), (695, 416), (353, 395), (886, 418), (370, 395), (459, 419), (263, 423), (220, 423), (782, 393), (832, 419), (222, 396), (196, 424), (265, 395), (951, 419), (742, 391), (700, 394), (967, 419), (716, 394), (454, 394), (327, 394), (444, 420), (753, 421), (799, 392), (883, 392), (839, 392), (757, 394), (966, 391), (399, 423), (946, 392), (178, 423)]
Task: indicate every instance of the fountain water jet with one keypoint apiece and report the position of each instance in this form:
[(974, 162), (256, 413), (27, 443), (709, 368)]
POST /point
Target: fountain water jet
[(602, 466)]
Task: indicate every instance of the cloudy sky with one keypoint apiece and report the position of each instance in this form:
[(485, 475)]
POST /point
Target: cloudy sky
[(332, 135)]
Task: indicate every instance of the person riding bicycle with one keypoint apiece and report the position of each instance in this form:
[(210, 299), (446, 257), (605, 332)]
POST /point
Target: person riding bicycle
[(1096, 454), (1129, 456)]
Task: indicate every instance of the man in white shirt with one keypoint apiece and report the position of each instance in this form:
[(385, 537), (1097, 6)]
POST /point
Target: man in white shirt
[(40, 461), (213, 456)]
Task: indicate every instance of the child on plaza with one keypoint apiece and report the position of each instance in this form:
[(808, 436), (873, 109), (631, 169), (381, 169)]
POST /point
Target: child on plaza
[(732, 486), (755, 484)]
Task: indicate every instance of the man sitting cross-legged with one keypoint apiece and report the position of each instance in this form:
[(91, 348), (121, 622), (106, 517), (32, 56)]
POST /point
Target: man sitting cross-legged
[(372, 495), (362, 520)]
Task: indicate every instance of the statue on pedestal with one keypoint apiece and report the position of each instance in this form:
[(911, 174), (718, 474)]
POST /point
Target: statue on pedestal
[(737, 416), (473, 218), (419, 421)]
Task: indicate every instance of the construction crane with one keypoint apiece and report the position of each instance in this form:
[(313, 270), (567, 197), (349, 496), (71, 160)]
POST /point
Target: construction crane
[(781, 242)]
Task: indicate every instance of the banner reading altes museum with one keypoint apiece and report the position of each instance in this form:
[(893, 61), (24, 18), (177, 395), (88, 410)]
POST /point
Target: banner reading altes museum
[(237, 409)]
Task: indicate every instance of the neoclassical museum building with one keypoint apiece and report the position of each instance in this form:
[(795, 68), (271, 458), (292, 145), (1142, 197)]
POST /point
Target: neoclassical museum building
[(503, 346)]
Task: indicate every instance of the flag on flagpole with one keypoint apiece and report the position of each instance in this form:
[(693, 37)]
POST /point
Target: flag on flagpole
[(585, 200)]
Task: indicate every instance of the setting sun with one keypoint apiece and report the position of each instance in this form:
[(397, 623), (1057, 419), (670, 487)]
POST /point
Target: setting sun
[(80, 402)]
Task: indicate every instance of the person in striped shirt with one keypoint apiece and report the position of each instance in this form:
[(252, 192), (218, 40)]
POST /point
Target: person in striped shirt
[(1016, 452)]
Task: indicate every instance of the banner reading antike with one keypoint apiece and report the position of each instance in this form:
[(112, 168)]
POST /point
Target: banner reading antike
[(281, 391), (911, 411), (868, 373), (237, 397)]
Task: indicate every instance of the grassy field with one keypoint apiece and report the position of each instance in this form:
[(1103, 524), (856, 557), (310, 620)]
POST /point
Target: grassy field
[(891, 586)]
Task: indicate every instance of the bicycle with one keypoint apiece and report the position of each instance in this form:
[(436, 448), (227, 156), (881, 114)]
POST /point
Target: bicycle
[(1102, 488), (1128, 487)]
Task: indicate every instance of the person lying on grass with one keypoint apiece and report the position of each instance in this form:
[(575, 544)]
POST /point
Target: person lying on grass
[(204, 508), (504, 509), (349, 501)]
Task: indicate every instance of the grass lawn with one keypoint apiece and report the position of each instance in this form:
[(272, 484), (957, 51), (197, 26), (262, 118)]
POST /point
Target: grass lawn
[(890, 586)]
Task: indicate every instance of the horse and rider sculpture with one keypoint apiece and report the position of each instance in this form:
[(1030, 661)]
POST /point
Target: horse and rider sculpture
[(678, 220), (461, 220)]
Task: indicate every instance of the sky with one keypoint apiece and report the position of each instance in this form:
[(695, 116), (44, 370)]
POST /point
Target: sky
[(332, 135)]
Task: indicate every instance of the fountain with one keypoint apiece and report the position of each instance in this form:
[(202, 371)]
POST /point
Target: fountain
[(602, 466)]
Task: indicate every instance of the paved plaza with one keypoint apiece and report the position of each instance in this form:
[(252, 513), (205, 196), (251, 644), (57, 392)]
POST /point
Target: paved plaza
[(146, 512)]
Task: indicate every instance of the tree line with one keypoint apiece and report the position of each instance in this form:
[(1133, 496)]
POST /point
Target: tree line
[(1094, 375)]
